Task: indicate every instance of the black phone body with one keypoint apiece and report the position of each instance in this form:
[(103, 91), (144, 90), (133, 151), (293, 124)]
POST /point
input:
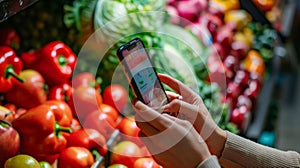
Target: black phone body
[(141, 74)]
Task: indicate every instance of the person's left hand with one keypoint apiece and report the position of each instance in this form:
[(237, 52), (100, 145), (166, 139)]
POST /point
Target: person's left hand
[(171, 141)]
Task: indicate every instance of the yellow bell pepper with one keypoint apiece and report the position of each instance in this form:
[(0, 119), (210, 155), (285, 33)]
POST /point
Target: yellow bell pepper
[(254, 63), (239, 17), (225, 5)]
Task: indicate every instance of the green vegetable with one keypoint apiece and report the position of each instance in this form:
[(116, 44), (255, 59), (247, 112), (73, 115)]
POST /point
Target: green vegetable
[(121, 18), (264, 40), (78, 18)]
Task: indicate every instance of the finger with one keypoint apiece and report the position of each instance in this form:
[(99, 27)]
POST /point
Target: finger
[(147, 129), (184, 110), (172, 95), (152, 117), (178, 86)]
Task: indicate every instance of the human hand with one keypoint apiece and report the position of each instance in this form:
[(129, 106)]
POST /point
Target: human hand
[(171, 141), (189, 106)]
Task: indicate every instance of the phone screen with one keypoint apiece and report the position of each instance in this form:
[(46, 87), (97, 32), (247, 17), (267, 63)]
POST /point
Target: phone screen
[(143, 75)]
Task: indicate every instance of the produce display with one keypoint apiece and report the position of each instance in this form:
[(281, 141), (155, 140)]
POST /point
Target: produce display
[(60, 111)]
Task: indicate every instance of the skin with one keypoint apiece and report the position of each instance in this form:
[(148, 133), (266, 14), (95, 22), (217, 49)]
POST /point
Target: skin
[(189, 120)]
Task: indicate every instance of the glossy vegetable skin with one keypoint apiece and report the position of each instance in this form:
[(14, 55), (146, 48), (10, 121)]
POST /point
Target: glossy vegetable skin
[(40, 131), (10, 67)]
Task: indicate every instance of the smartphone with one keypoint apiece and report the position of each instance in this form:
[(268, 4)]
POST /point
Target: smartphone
[(141, 74)]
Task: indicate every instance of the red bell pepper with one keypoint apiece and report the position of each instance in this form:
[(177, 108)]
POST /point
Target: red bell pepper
[(10, 37), (55, 62), (41, 132), (10, 66), (60, 92), (75, 157), (62, 111), (90, 139), (29, 94)]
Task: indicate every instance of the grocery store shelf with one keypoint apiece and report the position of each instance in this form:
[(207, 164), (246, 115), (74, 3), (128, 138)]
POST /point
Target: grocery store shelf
[(289, 8), (255, 129), (10, 7), (256, 13)]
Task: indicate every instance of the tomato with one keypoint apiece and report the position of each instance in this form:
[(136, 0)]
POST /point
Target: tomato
[(125, 152), (128, 126), (116, 96), (85, 79), (146, 163), (84, 100), (129, 130), (75, 157), (24, 161), (109, 110), (101, 122)]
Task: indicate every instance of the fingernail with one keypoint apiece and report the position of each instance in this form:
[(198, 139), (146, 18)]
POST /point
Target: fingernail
[(140, 106)]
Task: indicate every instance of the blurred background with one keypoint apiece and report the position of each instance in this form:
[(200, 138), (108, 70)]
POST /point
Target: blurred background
[(245, 56)]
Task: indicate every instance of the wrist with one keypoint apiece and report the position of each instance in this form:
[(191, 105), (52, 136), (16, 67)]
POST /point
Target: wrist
[(216, 142)]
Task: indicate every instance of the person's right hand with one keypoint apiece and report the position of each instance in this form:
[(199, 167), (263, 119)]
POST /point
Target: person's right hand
[(168, 137), (189, 106)]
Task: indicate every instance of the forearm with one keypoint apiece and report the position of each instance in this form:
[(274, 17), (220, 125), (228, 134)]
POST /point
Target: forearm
[(246, 153)]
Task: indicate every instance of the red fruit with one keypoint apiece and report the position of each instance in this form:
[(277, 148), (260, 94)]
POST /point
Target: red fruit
[(10, 142), (231, 64), (146, 163), (241, 116), (75, 157), (224, 37), (85, 79), (239, 49), (216, 71), (233, 90), (116, 96), (101, 122), (215, 11), (129, 130), (109, 110), (84, 100), (188, 10), (211, 22), (125, 153), (242, 77), (243, 100), (253, 89)]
